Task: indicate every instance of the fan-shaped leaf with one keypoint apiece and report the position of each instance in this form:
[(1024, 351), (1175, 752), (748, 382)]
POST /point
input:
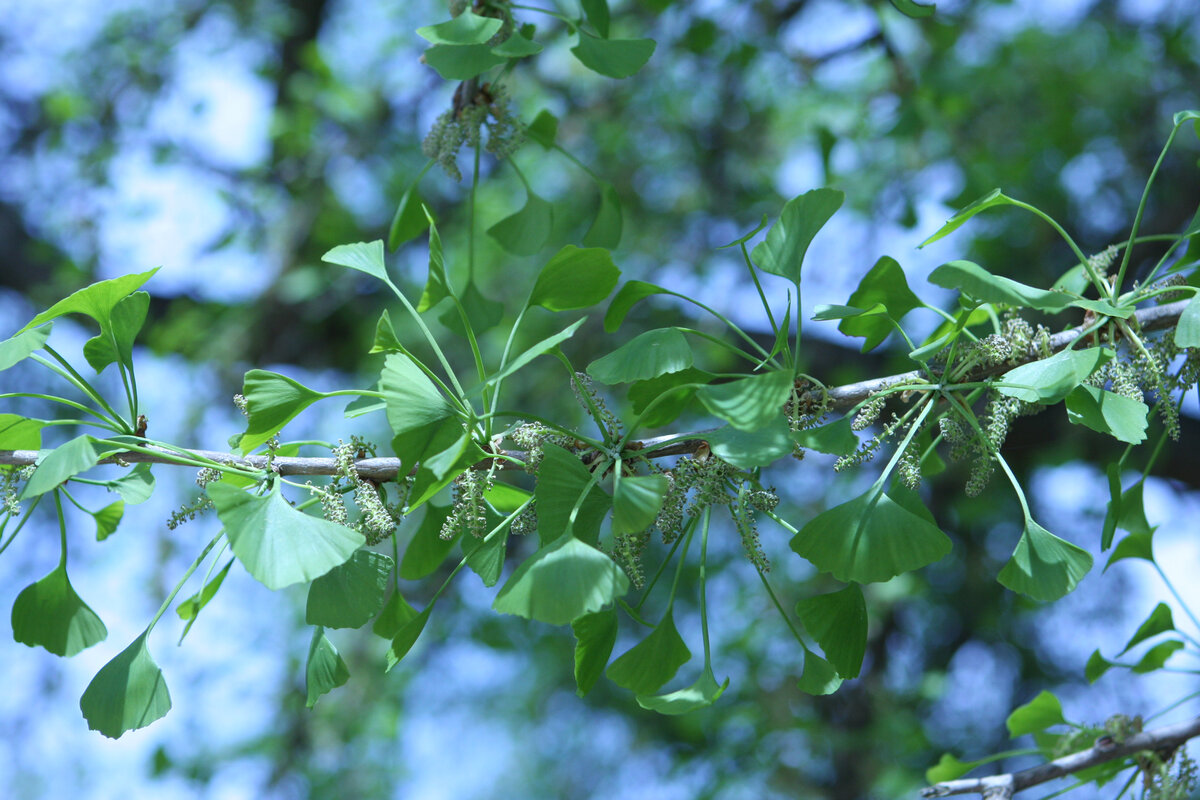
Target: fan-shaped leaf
[(127, 693), (561, 582)]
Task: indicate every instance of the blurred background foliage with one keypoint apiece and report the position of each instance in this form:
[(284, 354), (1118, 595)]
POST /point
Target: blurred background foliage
[(236, 142)]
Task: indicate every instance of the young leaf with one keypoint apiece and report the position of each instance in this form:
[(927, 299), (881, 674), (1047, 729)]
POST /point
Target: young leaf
[(437, 288), (486, 557), (363, 256), (541, 348), (993, 198), (108, 518), (325, 670), (749, 449), (1159, 621), (416, 409), (403, 641), (972, 279), (350, 594), (96, 301), (395, 615), (136, 486), (62, 463), (595, 635), (1135, 545), (517, 46), (782, 252), (466, 28), (651, 662), (18, 347), (50, 614), (278, 544), (647, 356), (575, 278), (870, 538), (1107, 412), (819, 677), (605, 230), (836, 438), (543, 129), (948, 768), (115, 342), (272, 401), (20, 433), (597, 14), (637, 501), (482, 312), (461, 62), (1040, 713), (886, 284), (1051, 379), (1044, 566), (616, 58), (127, 693), (562, 478), (385, 336), (748, 403), (630, 295), (838, 621), (409, 220), (427, 549), (916, 11), (561, 582), (1187, 332), (506, 498), (525, 232), (1157, 656), (190, 609), (701, 694), (643, 393)]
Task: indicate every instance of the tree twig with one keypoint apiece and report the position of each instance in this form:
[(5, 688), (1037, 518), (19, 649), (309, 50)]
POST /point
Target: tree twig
[(1161, 740), (840, 398)]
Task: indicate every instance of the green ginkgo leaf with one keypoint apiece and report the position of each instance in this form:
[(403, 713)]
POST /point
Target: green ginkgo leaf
[(605, 230), (350, 594), (884, 284), (395, 615), (1159, 621), (819, 676), (406, 637), (525, 232), (96, 301), (595, 635), (437, 287), (749, 449), (1121, 417), (637, 501), (108, 518), (748, 403), (63, 463), (701, 694), (615, 58), (1040, 713), (972, 279), (278, 544), (782, 252), (646, 356), (18, 347), (575, 278), (869, 539), (651, 662), (562, 479), (325, 670), (409, 220), (52, 615), (1051, 379), (427, 549), (1044, 566), (467, 28), (127, 693), (363, 256), (272, 401), (115, 342), (561, 582), (20, 433), (190, 609), (838, 621)]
